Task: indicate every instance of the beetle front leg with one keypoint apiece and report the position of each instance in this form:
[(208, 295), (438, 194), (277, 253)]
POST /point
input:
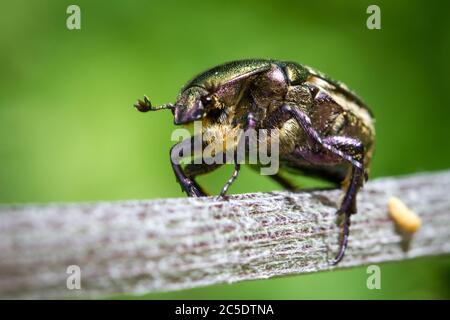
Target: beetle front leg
[(176, 154), (192, 170)]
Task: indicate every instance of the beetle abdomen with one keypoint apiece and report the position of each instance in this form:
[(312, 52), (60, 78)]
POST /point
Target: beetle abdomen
[(325, 90)]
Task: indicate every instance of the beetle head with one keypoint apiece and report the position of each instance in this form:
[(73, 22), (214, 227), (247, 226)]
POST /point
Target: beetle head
[(190, 105)]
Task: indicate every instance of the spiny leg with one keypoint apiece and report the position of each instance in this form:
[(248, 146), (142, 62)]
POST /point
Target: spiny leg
[(192, 170), (250, 124), (355, 149), (313, 136), (233, 177), (346, 148), (176, 154), (351, 147)]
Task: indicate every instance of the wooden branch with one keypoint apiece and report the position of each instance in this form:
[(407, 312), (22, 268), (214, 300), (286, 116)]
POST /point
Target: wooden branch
[(161, 245)]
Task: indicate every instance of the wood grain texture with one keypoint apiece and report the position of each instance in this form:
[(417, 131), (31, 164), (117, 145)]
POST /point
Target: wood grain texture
[(171, 244)]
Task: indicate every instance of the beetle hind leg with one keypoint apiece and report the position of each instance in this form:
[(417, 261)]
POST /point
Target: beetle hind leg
[(192, 170), (331, 149), (347, 208), (351, 148)]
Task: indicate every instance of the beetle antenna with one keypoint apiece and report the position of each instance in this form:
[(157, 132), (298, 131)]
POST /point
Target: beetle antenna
[(145, 105)]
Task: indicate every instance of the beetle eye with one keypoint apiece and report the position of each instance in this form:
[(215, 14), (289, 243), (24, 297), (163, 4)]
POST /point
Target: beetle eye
[(206, 100)]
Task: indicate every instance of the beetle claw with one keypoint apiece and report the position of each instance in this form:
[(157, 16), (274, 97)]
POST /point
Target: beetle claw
[(344, 239), (191, 190), (222, 197), (194, 192)]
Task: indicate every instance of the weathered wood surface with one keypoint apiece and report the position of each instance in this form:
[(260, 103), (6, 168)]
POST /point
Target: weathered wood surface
[(171, 244)]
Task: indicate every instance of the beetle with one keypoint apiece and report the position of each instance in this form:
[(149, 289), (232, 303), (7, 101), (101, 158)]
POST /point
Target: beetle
[(325, 130)]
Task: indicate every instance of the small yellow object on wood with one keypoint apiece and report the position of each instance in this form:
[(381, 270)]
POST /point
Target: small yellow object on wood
[(404, 217)]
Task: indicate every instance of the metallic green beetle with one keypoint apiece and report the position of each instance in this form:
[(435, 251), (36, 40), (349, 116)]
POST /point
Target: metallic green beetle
[(324, 129)]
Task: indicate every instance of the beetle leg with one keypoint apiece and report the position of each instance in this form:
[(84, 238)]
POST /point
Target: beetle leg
[(193, 170), (313, 136), (349, 149), (237, 167), (250, 124), (187, 184), (348, 202), (355, 149)]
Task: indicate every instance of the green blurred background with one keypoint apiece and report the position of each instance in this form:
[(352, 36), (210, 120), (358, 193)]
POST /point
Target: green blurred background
[(69, 132)]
